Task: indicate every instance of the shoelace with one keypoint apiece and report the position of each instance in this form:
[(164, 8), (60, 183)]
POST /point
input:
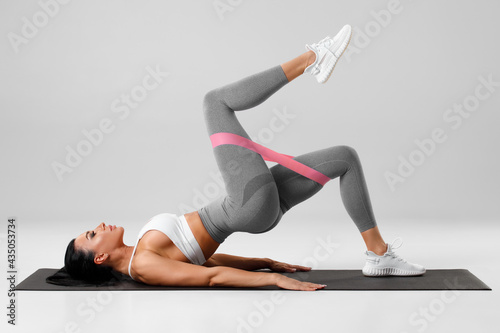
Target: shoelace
[(326, 43), (392, 247)]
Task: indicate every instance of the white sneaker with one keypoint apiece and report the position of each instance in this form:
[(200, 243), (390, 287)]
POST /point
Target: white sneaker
[(390, 264), (328, 51)]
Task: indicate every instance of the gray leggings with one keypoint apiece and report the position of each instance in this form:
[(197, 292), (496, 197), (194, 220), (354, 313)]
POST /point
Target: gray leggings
[(258, 196)]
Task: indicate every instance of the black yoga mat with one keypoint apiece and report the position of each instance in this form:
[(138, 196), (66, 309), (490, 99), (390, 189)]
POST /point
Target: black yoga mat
[(433, 279)]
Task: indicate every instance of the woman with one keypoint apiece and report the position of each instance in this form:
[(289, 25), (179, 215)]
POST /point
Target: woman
[(179, 250)]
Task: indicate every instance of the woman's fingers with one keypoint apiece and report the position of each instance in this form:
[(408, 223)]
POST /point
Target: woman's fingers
[(284, 267), (292, 284), (315, 286), (295, 268), (309, 286), (300, 268)]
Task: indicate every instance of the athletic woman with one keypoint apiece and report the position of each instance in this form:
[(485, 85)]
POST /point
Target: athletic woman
[(176, 250)]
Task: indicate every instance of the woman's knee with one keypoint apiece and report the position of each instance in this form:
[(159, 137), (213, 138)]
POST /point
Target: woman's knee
[(210, 96), (211, 99), (347, 153)]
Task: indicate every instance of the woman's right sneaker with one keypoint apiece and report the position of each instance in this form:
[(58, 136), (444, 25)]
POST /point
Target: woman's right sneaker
[(390, 264), (328, 52)]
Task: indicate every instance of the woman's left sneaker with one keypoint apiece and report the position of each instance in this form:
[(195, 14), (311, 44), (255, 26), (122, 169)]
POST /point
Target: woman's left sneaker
[(328, 51), (390, 264)]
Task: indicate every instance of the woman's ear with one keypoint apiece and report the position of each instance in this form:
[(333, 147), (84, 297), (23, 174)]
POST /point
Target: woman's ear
[(100, 258)]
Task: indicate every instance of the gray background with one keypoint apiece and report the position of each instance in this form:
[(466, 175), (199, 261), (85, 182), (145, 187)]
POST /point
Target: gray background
[(393, 86), (394, 91)]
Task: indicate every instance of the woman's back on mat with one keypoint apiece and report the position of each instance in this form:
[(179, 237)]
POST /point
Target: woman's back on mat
[(176, 250)]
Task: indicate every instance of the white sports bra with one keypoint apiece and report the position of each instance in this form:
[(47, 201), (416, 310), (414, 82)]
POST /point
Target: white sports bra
[(177, 229)]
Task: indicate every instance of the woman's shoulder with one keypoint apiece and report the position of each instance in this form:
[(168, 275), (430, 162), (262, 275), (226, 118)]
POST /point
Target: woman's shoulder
[(142, 263)]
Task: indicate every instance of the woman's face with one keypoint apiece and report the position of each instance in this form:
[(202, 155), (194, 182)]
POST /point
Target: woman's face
[(102, 240)]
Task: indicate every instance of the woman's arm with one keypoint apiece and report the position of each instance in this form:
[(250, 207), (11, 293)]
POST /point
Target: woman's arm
[(251, 264), (154, 269), (248, 264)]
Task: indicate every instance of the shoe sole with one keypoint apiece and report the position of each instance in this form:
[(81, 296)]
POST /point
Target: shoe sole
[(330, 70), (390, 271)]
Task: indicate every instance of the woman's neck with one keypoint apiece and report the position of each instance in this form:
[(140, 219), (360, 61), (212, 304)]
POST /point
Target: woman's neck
[(119, 259)]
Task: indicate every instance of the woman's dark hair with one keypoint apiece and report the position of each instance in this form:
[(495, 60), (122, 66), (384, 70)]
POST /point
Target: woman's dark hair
[(80, 265), (80, 270)]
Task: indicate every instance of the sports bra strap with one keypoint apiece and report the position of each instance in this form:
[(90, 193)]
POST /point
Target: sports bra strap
[(287, 161)]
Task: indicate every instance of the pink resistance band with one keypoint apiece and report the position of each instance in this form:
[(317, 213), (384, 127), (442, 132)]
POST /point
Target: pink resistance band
[(269, 155)]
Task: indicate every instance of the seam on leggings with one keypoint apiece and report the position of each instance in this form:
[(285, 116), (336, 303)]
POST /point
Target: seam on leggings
[(282, 200), (285, 206), (285, 203), (297, 176)]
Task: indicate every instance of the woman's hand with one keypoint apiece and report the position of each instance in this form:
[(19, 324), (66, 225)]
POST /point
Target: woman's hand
[(289, 283), (292, 284), (277, 266)]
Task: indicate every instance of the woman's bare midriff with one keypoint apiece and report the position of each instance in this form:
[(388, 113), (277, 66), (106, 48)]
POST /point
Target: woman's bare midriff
[(159, 243), (207, 243)]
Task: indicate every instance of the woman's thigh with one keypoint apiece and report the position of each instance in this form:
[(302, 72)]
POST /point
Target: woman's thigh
[(247, 178), (294, 188), (252, 201)]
